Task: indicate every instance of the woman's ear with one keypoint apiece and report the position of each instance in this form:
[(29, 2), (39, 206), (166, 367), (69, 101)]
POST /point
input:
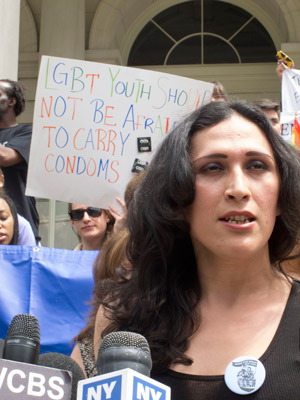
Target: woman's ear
[(12, 102), (107, 219)]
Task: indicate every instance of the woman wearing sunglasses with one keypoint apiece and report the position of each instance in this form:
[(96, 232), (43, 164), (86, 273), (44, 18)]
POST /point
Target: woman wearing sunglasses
[(91, 225)]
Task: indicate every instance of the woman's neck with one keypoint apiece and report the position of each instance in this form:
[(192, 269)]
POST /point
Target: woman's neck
[(92, 245), (230, 281)]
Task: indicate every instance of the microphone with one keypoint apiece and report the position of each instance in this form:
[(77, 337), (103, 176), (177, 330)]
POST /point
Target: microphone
[(63, 362), (1, 347), (119, 350), (22, 341), (21, 378), (124, 362)]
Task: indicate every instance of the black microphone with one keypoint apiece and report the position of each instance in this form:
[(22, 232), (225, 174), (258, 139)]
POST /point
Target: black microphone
[(63, 362), (1, 347), (119, 350), (124, 364), (22, 341)]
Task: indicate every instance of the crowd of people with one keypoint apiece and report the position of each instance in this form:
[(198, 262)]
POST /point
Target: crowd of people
[(14, 150), (202, 259)]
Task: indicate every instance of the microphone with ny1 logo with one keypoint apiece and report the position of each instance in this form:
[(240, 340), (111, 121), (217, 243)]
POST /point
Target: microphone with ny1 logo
[(124, 364), (21, 378)]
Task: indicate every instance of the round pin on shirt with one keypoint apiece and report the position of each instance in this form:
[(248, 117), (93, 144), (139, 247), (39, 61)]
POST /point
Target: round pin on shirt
[(245, 375)]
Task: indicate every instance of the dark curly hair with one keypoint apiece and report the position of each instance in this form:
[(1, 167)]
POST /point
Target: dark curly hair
[(159, 300), (17, 91), (14, 214)]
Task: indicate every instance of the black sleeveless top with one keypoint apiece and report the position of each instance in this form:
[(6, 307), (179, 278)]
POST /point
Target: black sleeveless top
[(281, 361)]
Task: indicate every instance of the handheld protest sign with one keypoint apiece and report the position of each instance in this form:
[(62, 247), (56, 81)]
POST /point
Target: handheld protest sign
[(95, 123), (289, 117)]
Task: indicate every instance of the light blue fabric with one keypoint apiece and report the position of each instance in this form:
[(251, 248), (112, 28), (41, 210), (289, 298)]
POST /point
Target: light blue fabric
[(52, 284), (26, 235)]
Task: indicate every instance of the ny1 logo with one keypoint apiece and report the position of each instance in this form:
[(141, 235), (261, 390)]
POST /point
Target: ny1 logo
[(132, 389)]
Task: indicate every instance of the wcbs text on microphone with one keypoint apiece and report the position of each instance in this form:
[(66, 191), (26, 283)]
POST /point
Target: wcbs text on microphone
[(20, 377)]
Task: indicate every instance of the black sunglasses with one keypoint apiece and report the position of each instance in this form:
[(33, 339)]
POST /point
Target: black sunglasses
[(77, 215)]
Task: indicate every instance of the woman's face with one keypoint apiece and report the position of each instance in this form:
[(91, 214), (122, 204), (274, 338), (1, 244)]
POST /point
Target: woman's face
[(90, 228), (6, 223), (236, 189)]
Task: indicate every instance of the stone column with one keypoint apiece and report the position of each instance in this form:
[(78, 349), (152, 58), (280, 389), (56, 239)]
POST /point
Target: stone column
[(63, 28), (9, 43), (62, 34)]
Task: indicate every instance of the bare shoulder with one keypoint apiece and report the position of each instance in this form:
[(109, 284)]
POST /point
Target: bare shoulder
[(100, 324), (76, 356)]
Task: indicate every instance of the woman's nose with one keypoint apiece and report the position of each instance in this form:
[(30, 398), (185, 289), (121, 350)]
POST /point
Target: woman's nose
[(237, 186), (86, 216)]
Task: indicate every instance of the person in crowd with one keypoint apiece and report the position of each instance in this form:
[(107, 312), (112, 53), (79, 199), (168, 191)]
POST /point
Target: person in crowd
[(26, 235), (9, 226), (14, 150), (291, 266), (91, 224), (281, 66), (219, 92), (272, 110), (119, 214), (212, 221), (110, 263)]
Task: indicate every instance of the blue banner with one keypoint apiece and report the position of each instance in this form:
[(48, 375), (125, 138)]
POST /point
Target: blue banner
[(54, 285)]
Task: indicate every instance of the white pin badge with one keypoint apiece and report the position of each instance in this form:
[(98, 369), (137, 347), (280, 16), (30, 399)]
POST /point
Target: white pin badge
[(245, 375)]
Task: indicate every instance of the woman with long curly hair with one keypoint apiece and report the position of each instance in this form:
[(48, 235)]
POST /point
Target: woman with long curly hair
[(213, 220)]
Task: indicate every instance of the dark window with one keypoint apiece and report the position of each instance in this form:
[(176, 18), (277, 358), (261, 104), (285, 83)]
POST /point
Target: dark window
[(223, 19), (176, 36), (180, 20), (217, 51), (187, 52), (264, 49), (150, 48)]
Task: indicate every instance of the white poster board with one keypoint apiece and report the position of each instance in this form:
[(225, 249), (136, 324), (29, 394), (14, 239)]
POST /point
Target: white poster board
[(92, 121), (290, 98)]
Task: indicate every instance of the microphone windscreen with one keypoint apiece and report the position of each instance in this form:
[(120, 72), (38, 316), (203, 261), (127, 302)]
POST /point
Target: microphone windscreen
[(62, 361), (124, 338), (24, 325), (1, 347), (22, 342), (119, 350)]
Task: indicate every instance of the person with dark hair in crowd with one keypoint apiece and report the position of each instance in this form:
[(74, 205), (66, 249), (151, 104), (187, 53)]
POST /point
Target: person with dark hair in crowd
[(26, 235), (272, 110), (9, 226), (215, 216), (14, 150), (219, 92)]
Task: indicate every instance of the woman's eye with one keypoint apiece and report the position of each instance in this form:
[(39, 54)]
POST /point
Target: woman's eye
[(211, 167), (257, 165)]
